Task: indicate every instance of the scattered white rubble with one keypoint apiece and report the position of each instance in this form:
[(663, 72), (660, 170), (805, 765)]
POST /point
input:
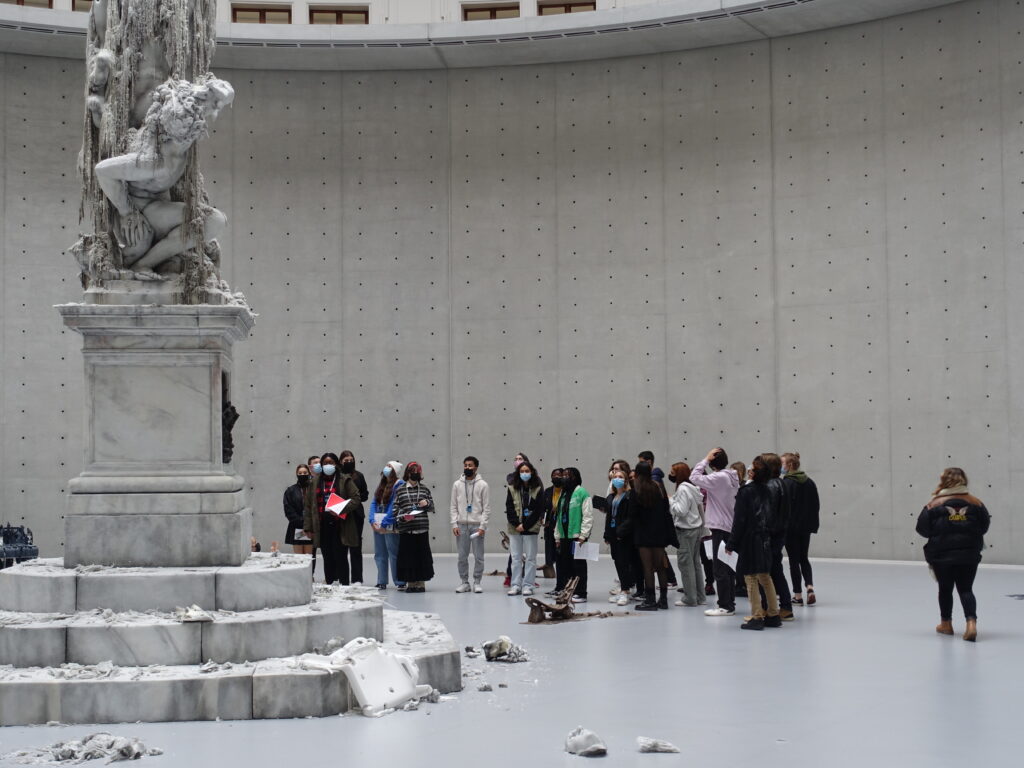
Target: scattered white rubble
[(98, 746), (193, 614), (654, 745), (484, 688), (471, 652), (584, 743), (503, 649)]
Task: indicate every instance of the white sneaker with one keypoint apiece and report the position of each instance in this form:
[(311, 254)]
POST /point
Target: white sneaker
[(477, 588), (515, 591), (527, 591), (578, 599), (719, 612), (614, 591), (463, 587), (622, 599)]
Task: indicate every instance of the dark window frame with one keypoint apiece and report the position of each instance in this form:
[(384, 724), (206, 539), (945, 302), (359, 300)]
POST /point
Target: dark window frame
[(565, 6), (364, 10), (261, 10), (468, 9), (22, 3)]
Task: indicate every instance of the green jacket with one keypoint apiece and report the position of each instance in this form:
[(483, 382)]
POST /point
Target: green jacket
[(345, 486), (581, 516)]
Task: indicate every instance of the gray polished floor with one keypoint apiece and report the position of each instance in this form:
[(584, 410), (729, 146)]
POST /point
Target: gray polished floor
[(859, 679)]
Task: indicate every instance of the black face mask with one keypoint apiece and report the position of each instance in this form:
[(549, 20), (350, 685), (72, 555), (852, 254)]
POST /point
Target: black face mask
[(469, 472), (671, 478), (303, 480), (557, 481), (348, 467), (415, 477)]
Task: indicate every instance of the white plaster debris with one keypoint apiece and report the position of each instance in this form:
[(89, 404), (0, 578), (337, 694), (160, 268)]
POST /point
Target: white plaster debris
[(98, 746), (471, 652), (584, 743), (486, 687), (654, 745), (193, 614), (504, 650)]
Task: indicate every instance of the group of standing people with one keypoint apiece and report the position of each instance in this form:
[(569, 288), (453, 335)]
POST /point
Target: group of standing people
[(730, 525)]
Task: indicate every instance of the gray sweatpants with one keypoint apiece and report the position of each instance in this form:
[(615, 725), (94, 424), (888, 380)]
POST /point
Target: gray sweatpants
[(466, 545)]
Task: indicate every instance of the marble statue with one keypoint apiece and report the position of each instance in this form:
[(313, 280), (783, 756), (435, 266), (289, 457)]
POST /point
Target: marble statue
[(149, 96)]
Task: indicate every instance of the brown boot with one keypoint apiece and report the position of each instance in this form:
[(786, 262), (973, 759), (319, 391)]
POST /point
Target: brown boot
[(945, 628), (971, 633)]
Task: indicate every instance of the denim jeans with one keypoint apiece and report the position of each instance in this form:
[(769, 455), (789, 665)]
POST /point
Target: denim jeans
[(385, 552), (520, 545)]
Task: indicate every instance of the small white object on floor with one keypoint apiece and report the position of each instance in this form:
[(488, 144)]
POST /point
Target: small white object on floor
[(192, 614), (503, 649), (584, 743), (94, 747), (654, 745)]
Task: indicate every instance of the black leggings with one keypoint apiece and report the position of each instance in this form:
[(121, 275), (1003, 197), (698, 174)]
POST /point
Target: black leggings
[(653, 560), (798, 544), (961, 577)]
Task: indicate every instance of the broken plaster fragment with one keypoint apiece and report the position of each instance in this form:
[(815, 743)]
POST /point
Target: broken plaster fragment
[(585, 743), (654, 745)]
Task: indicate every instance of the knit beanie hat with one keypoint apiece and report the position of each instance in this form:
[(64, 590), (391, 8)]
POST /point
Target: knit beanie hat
[(396, 467)]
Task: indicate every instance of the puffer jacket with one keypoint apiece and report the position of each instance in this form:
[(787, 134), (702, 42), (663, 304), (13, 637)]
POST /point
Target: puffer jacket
[(955, 526)]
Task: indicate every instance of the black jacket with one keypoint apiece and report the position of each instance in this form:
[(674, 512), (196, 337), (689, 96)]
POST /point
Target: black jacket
[(750, 537), (651, 524), (364, 491), (779, 517), (532, 515), (955, 527), (804, 504), (620, 526), (293, 504)]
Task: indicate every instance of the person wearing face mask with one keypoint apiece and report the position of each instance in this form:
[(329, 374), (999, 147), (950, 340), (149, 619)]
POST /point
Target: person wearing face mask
[(687, 506), (314, 467), (334, 534), (347, 469), (551, 496), (517, 460), (573, 523), (294, 504), (470, 511), (413, 507), (382, 519), (524, 508), (618, 534)]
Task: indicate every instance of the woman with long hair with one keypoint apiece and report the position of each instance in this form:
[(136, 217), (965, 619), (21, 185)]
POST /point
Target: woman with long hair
[(687, 506), (618, 534), (382, 519), (294, 503), (955, 523), (651, 523), (574, 519), (803, 521), (524, 509), (413, 506)]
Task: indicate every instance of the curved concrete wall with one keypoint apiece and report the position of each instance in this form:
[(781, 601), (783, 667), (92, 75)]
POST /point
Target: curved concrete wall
[(812, 243)]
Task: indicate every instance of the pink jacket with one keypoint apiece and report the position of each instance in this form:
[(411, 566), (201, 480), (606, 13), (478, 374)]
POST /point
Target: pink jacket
[(721, 490)]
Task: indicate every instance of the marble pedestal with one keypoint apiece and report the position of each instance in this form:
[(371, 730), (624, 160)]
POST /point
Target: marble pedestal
[(155, 490)]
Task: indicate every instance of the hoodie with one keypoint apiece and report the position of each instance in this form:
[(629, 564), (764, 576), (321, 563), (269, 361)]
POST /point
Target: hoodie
[(721, 487), (471, 501)]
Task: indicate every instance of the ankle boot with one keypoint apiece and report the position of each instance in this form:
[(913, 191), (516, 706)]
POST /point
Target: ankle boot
[(944, 627), (648, 604), (663, 599), (971, 633)]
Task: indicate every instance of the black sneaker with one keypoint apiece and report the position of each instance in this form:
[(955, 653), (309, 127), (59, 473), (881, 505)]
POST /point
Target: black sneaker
[(773, 621), (757, 624), (709, 589), (382, 586)]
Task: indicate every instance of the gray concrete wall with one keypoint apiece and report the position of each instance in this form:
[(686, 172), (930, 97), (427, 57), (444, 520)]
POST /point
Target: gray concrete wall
[(808, 244)]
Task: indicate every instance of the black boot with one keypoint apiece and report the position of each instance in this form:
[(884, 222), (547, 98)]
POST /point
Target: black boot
[(663, 599), (648, 604)]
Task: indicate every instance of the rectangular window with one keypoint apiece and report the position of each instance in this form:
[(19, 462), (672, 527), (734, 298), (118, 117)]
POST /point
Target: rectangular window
[(334, 15), (487, 12), (551, 9), (83, 6), (30, 3), (254, 14)]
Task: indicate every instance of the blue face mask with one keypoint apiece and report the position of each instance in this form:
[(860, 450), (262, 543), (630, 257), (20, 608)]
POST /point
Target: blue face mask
[(316, 469), (386, 472), (329, 469), (618, 482), (525, 476)]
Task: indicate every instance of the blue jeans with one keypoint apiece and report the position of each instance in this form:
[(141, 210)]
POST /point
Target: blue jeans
[(385, 550)]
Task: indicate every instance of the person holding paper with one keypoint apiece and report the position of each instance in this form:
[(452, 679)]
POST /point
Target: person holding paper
[(649, 511), (751, 540), (413, 507), (524, 509), (329, 522), (470, 511), (294, 503), (574, 519), (347, 471), (619, 535), (720, 485), (382, 519), (687, 506)]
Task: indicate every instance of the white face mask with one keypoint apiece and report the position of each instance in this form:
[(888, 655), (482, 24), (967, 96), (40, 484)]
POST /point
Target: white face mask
[(386, 471)]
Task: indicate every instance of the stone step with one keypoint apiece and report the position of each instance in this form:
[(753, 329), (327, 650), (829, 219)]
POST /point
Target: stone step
[(262, 581), (153, 637), (272, 688)]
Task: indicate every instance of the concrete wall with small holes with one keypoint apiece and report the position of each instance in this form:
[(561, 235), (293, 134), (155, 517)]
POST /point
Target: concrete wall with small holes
[(809, 244)]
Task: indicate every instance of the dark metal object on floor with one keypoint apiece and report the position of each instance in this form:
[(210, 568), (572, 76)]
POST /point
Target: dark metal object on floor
[(16, 545), (560, 611)]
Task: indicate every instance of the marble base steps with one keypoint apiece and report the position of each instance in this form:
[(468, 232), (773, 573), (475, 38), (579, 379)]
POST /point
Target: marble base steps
[(262, 581), (153, 637), (273, 688)]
